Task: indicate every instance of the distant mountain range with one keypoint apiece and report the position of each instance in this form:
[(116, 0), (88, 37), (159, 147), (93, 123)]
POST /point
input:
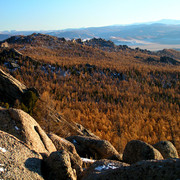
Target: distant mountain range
[(151, 35)]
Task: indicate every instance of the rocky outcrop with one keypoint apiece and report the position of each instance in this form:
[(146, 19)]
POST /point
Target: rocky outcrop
[(59, 166), (63, 144), (101, 166), (4, 45), (168, 60), (92, 147), (25, 128), (150, 169), (167, 149), (100, 43), (136, 150), (18, 161), (10, 88)]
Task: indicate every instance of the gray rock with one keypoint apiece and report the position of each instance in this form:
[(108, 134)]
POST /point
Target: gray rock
[(137, 150), (59, 166), (10, 88), (63, 144), (167, 149), (144, 170), (92, 147), (25, 128), (101, 166), (17, 160)]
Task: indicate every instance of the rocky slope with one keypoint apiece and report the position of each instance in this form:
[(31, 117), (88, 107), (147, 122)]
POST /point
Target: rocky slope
[(79, 47), (10, 88), (64, 163)]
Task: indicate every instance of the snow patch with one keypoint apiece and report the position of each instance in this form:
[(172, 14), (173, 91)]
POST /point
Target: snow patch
[(2, 169), (87, 39), (53, 68), (106, 167), (87, 160), (16, 128), (3, 149)]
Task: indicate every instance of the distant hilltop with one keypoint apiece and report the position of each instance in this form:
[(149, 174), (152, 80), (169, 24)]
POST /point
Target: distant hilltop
[(55, 43), (155, 35)]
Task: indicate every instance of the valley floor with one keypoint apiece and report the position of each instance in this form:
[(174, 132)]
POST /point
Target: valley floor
[(157, 47)]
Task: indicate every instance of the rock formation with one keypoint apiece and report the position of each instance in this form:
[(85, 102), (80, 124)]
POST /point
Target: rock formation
[(167, 149), (10, 88), (4, 45), (63, 144), (25, 128), (92, 147), (59, 166), (18, 161), (136, 150), (101, 166), (150, 169)]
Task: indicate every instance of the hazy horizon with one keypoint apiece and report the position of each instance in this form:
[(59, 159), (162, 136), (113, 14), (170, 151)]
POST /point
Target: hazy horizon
[(36, 15), (49, 30)]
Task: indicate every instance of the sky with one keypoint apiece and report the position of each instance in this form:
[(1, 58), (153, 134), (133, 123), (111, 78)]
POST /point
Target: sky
[(63, 14)]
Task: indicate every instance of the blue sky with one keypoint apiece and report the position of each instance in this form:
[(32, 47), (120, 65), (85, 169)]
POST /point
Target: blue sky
[(61, 14)]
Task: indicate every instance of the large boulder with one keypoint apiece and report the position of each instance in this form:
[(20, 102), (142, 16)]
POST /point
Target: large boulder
[(58, 166), (150, 169), (92, 147), (137, 150), (25, 128), (17, 160), (167, 149), (10, 88), (101, 166), (63, 144)]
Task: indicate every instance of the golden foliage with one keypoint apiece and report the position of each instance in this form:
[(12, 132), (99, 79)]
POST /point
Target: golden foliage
[(142, 102)]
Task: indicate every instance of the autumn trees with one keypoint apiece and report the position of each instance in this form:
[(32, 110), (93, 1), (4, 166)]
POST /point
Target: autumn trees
[(118, 97)]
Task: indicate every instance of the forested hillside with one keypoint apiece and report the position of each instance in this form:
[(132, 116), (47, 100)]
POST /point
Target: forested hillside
[(118, 93)]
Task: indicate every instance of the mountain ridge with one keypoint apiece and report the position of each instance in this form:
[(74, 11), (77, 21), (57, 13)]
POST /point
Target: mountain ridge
[(150, 35), (53, 42)]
